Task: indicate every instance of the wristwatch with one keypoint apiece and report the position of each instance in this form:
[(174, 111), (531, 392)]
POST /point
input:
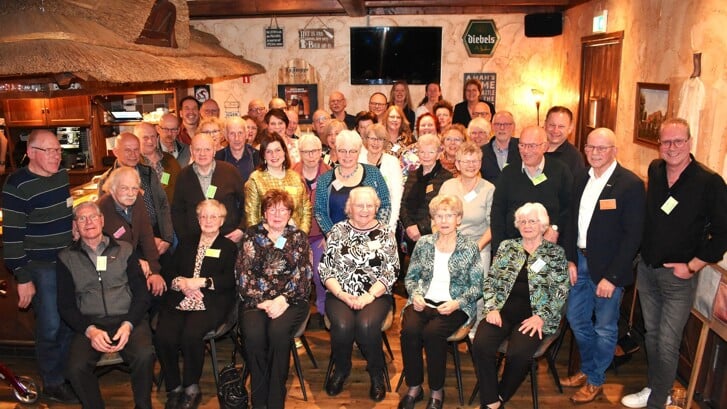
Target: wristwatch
[(208, 282)]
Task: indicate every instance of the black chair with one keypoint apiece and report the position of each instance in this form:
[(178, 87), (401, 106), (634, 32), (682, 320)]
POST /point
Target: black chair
[(549, 349), (300, 334)]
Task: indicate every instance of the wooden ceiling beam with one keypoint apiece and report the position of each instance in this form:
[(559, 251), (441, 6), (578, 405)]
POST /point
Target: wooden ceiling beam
[(203, 9), (468, 3), (354, 8), (443, 10)]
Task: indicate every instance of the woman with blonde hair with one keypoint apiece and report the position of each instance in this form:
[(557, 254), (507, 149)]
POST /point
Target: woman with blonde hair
[(373, 154), (398, 130), (401, 97)]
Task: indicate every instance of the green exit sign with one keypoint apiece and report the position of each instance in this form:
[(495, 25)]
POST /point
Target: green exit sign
[(480, 38)]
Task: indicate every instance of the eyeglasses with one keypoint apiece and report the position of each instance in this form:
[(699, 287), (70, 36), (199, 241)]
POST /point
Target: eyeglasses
[(347, 152), (170, 130), (502, 124), (278, 210), (212, 217), (258, 109), (599, 149), (49, 151), (335, 101), (469, 162), (528, 222), (377, 104), (480, 114), (128, 189), (310, 152), (677, 143), (453, 140), (216, 131), (90, 218), (529, 146), (322, 119)]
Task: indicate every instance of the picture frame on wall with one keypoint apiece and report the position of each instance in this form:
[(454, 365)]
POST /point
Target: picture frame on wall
[(303, 97), (651, 109)]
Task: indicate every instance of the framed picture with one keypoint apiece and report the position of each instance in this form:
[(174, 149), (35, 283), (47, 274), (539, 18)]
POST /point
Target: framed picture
[(652, 107), (303, 97)]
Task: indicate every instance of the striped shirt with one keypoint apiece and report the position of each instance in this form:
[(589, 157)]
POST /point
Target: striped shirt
[(37, 219)]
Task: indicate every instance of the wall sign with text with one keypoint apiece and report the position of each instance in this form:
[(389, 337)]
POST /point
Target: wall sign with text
[(273, 37), (316, 38), (480, 38)]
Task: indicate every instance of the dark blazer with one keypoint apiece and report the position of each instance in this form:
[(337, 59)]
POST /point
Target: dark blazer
[(221, 269), (489, 170), (461, 114), (139, 233), (188, 194), (614, 235)]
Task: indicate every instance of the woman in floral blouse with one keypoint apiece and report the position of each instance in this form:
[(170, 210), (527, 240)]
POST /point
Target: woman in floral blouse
[(358, 269), (524, 296), (274, 269)]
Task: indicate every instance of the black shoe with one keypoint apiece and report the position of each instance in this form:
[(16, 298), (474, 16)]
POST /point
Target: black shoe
[(174, 399), (436, 403), (190, 401), (408, 401), (335, 384), (378, 388), (62, 393)]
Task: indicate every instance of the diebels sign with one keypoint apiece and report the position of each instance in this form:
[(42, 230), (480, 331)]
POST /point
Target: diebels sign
[(480, 38)]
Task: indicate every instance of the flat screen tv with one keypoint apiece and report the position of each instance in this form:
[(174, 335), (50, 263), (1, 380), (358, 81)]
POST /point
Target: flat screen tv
[(382, 55)]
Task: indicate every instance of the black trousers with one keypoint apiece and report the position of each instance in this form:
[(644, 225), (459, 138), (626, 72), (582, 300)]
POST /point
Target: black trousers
[(183, 331), (138, 354), (519, 356), (363, 326), (428, 330), (267, 351)]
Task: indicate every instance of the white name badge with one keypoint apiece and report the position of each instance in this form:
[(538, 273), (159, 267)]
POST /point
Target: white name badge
[(337, 185), (101, 263), (669, 205), (280, 242), (374, 245), (470, 196), (538, 265), (69, 202)]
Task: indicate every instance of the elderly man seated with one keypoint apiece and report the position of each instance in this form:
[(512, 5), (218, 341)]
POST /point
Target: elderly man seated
[(103, 298)]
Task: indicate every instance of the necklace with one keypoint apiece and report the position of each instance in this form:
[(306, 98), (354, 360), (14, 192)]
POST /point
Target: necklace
[(348, 175)]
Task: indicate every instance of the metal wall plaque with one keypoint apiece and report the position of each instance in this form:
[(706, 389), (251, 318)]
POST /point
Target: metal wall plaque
[(273, 37), (316, 38)]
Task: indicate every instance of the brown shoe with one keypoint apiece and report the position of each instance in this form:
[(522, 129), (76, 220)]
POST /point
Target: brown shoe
[(587, 393), (574, 381)]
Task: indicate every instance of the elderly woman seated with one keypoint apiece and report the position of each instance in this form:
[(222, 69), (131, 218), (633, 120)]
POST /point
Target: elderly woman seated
[(444, 282), (524, 296), (358, 269), (274, 269), (202, 292)]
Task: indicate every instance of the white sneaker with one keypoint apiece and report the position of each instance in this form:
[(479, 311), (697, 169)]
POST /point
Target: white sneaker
[(639, 399)]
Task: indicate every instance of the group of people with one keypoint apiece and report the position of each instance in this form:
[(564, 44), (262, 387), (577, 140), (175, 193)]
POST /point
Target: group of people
[(498, 235)]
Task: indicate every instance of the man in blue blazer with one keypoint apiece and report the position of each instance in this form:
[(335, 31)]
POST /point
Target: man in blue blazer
[(502, 149), (600, 242)]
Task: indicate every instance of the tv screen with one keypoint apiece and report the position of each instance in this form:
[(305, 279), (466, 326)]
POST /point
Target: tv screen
[(382, 55)]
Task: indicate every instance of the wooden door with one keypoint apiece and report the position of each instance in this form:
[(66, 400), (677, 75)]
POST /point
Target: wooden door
[(69, 111), (600, 74), (25, 112)]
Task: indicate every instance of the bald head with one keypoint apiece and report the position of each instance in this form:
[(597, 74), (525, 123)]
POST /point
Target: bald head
[(127, 149), (533, 145), (337, 102), (210, 109), (292, 122), (601, 149), (277, 103), (147, 135), (256, 110)]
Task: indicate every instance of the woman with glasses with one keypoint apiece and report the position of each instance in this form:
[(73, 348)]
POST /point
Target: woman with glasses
[(373, 154), (274, 173), (201, 283), (476, 196), (452, 139), (524, 296), (335, 185), (215, 128), (274, 268), (398, 132), (479, 131), (310, 168), (358, 269), (443, 281)]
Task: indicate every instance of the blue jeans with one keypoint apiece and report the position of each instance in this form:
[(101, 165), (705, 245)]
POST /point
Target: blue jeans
[(666, 301), (596, 339), (52, 335)]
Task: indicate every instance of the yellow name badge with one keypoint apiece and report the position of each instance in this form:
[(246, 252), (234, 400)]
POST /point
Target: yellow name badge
[(430, 188), (539, 179), (607, 204), (210, 194), (101, 263), (165, 178), (214, 253), (291, 190), (669, 205)]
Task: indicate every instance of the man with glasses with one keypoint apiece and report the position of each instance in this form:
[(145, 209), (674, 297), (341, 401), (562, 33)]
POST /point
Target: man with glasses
[(238, 153), (502, 149), (320, 121), (256, 110), (209, 109), (337, 104), (378, 104), (168, 130), (482, 109), (36, 225), (189, 111), (600, 242), (558, 126), (539, 179), (685, 228)]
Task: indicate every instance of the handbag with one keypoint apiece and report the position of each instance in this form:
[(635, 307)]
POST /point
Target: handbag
[(231, 391)]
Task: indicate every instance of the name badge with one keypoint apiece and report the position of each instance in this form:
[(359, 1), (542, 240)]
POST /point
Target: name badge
[(313, 186), (214, 253), (395, 148), (374, 245), (430, 188), (539, 179), (101, 263), (470, 196), (607, 204), (165, 178), (291, 190), (280, 242), (69, 202), (337, 185), (120, 232), (538, 265), (210, 194), (669, 205)]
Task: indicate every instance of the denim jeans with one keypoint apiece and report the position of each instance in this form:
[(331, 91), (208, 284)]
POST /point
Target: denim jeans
[(666, 301), (596, 339), (52, 335)]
